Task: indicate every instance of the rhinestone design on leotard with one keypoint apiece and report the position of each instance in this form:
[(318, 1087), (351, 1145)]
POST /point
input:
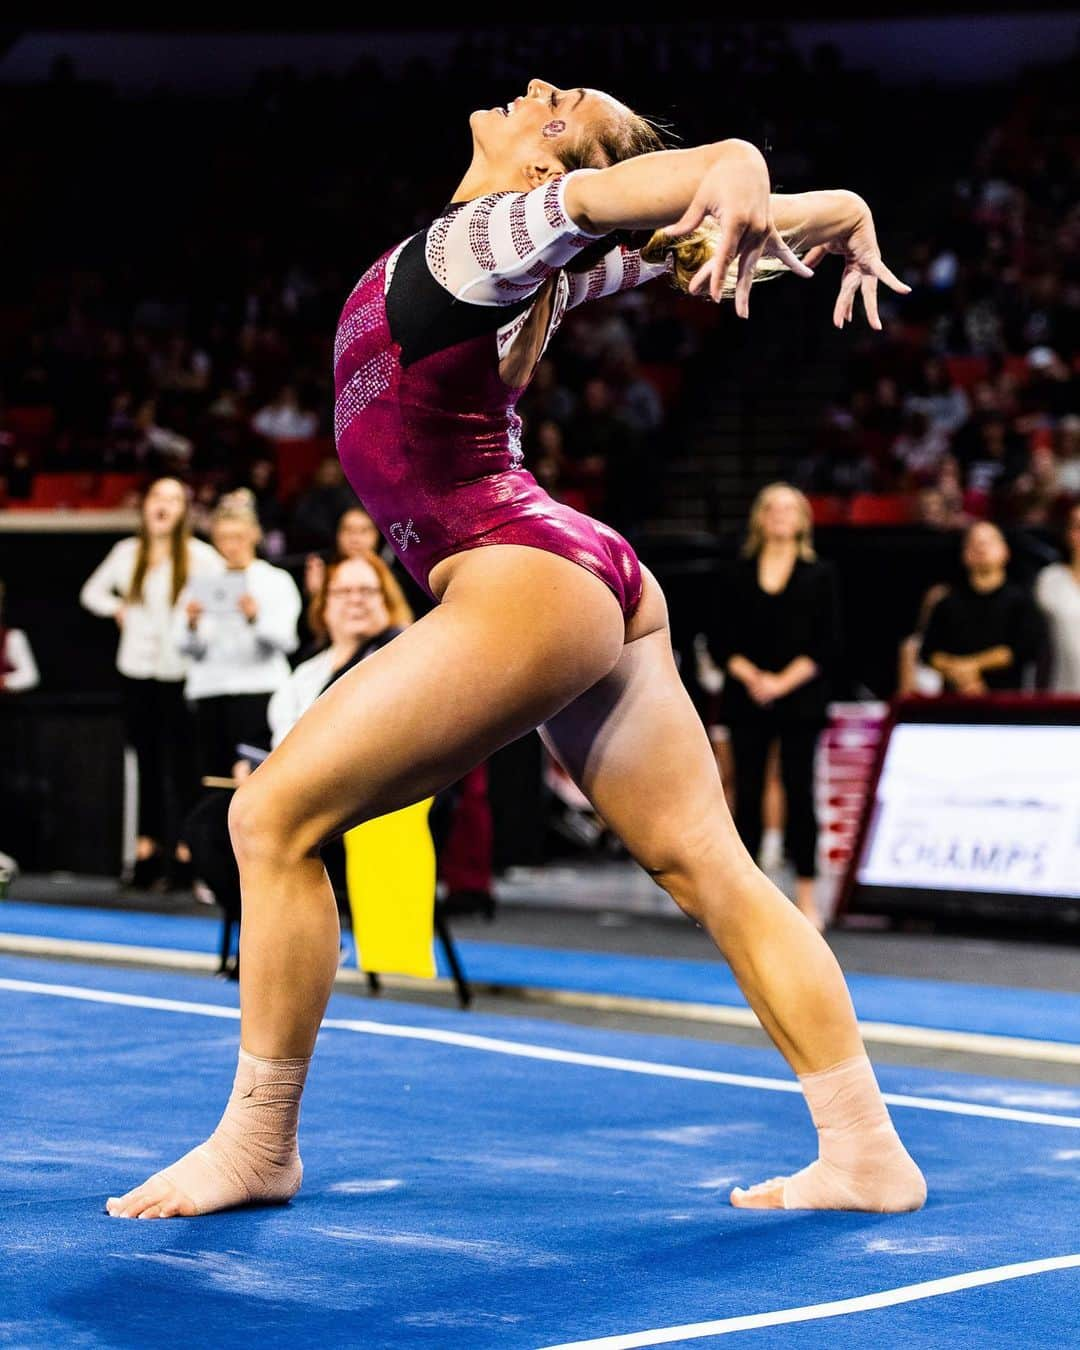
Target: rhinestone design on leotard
[(434, 448), (364, 386)]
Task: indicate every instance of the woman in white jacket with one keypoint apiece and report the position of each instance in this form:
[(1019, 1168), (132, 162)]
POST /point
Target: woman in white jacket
[(137, 585), (236, 629)]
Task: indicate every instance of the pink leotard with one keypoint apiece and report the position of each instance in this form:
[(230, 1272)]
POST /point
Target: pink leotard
[(425, 427)]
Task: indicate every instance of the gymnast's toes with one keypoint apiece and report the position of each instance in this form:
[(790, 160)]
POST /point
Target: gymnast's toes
[(765, 1195), (157, 1198)]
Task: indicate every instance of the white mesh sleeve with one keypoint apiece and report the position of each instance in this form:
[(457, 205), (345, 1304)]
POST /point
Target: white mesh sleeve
[(619, 269), (502, 247)]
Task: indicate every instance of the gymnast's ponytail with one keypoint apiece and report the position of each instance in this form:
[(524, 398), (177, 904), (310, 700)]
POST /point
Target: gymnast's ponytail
[(694, 250)]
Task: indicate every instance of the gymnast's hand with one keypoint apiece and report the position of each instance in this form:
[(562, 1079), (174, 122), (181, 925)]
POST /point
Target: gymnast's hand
[(735, 192), (855, 240)]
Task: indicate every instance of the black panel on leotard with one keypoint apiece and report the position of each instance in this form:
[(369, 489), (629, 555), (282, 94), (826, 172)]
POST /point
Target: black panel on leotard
[(425, 318)]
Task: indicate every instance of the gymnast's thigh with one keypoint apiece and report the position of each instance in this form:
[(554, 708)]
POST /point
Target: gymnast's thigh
[(518, 635), (637, 748)]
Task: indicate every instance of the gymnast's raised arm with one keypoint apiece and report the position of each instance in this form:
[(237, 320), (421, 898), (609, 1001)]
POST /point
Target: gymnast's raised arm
[(728, 181)]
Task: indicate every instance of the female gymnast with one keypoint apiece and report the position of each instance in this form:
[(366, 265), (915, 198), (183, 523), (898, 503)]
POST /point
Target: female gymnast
[(545, 619)]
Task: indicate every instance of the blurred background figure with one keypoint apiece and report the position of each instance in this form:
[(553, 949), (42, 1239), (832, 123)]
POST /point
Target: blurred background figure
[(914, 676), (18, 672), (1058, 593), (283, 419), (236, 629), (987, 631), (776, 642), (18, 669), (356, 535), (137, 585), (318, 510), (261, 481)]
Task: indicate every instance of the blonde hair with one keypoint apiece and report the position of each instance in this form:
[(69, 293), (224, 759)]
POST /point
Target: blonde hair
[(620, 138), (237, 506), (398, 608), (693, 251), (755, 532), (178, 547)]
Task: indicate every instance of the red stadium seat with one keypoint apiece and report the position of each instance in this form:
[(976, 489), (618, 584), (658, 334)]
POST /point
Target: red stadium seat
[(71, 491), (31, 424), (297, 461), (967, 371), (828, 510), (114, 489), (1017, 367), (880, 508)]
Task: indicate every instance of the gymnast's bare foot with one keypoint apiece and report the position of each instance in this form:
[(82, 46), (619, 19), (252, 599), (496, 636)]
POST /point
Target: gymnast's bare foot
[(223, 1173), (250, 1159), (890, 1185)]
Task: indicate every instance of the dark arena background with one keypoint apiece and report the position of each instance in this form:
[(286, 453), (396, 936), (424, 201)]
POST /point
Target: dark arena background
[(538, 1081)]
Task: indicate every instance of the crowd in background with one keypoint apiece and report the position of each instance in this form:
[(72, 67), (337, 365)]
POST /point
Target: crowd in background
[(971, 399), (186, 327)]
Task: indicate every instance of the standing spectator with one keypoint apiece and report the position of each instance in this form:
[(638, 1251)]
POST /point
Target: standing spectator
[(236, 629), (777, 639), (356, 536), (1058, 592), (317, 510), (18, 669), (983, 633), (262, 483), (137, 585)]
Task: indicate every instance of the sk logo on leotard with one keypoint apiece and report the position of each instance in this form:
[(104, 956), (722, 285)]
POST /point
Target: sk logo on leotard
[(403, 535)]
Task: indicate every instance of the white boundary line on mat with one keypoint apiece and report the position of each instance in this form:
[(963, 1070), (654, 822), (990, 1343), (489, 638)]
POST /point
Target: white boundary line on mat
[(877, 1033), (528, 1050), (887, 1298)]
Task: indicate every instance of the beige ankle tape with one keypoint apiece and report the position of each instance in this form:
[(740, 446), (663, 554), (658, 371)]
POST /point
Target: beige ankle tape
[(862, 1163), (252, 1156), (845, 1096)]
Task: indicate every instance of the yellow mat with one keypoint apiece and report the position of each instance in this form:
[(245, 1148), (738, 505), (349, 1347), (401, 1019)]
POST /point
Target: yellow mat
[(390, 871)]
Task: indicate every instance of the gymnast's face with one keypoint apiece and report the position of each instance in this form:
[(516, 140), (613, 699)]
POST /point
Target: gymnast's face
[(524, 135)]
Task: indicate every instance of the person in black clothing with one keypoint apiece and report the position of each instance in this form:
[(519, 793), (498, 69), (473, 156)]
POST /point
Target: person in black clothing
[(777, 646), (984, 632)]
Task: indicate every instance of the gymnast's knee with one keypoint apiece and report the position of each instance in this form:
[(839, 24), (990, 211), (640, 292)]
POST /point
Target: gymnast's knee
[(262, 833), (704, 875)]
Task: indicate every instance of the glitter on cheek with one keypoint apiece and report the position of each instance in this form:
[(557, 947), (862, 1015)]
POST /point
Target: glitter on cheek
[(555, 127)]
